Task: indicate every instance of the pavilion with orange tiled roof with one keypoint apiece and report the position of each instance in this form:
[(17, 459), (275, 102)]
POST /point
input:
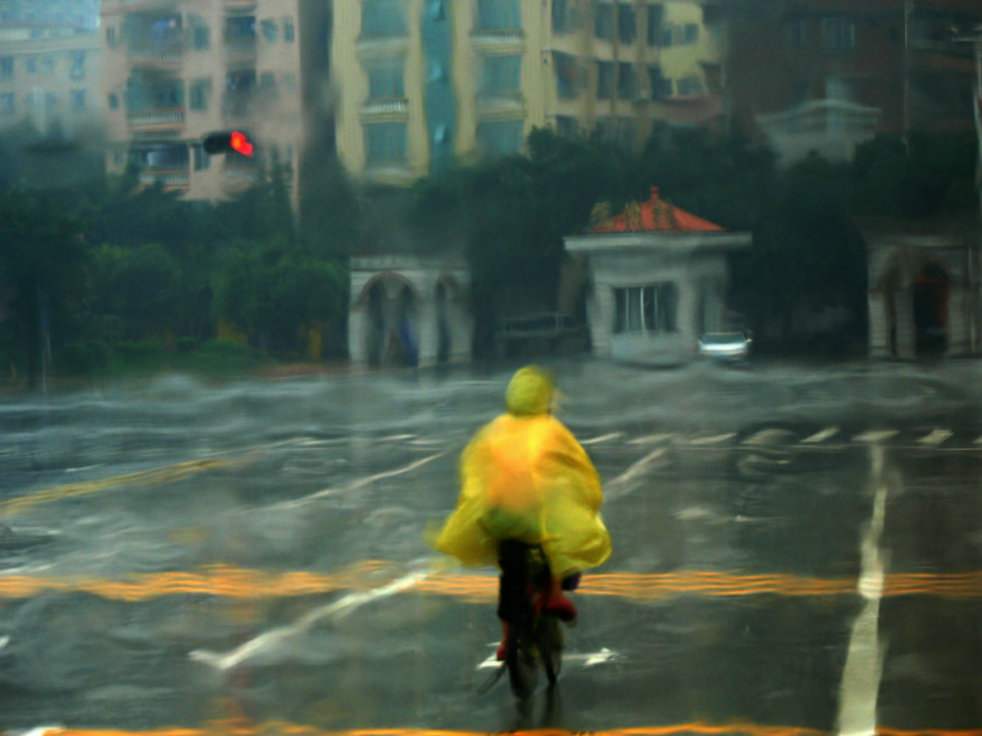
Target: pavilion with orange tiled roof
[(657, 279)]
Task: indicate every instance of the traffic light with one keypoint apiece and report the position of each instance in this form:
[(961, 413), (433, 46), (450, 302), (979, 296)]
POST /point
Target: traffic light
[(229, 141)]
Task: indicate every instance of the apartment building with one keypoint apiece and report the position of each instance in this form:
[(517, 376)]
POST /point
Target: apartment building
[(176, 70), (826, 75), (49, 80), (422, 85)]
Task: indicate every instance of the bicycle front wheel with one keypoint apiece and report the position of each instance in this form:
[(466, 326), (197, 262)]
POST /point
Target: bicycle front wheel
[(549, 639), (521, 661)]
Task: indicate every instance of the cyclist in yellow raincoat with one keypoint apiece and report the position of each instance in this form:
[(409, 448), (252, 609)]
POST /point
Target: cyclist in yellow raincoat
[(525, 477)]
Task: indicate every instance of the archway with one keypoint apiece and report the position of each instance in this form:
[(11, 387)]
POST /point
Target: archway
[(444, 336), (390, 326), (930, 308)]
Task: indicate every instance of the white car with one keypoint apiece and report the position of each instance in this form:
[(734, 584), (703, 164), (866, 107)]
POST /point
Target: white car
[(725, 345)]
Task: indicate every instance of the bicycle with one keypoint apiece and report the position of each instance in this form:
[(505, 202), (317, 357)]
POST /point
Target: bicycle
[(536, 636)]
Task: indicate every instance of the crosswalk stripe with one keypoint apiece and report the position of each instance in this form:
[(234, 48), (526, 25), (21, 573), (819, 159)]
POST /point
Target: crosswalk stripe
[(936, 437), (714, 440), (766, 436), (652, 438), (876, 435), (821, 436)]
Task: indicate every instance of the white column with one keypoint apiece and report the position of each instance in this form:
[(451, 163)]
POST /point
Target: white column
[(428, 337), (356, 336), (879, 326)]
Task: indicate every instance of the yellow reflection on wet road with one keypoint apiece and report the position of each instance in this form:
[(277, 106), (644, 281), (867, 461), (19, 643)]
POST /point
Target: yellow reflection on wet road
[(232, 582), (280, 728), (148, 477)]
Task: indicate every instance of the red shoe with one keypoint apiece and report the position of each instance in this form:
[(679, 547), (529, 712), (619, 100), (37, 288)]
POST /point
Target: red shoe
[(502, 650), (562, 608)]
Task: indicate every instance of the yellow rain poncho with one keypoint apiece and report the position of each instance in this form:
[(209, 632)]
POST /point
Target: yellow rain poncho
[(524, 476)]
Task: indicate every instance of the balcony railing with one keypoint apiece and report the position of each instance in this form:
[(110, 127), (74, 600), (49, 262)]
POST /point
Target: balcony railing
[(171, 118), (238, 176), (168, 178), (385, 106), (168, 56)]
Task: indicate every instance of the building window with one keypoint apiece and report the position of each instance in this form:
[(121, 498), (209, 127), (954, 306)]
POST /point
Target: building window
[(50, 101), (288, 32), (646, 309), (386, 79), (500, 138), (385, 143), (240, 29), (627, 23), (78, 65), (200, 92), (6, 67), (32, 64), (78, 99), (689, 86), (502, 76), (567, 75), (563, 19), (499, 15), (8, 103), (111, 36), (603, 20), (47, 65), (690, 34), (567, 126), (605, 79), (270, 30), (660, 86), (382, 19), (202, 37), (627, 81), (113, 101), (838, 34), (796, 34), (655, 15)]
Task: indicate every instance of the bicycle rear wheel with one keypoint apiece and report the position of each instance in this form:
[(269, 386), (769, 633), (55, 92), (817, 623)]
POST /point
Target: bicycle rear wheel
[(521, 662), (549, 640)]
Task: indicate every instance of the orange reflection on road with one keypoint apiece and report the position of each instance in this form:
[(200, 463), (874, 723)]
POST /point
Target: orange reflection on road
[(280, 728), (232, 582)]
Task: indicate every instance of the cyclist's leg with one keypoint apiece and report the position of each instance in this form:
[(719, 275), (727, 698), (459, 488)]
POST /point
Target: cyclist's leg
[(512, 559)]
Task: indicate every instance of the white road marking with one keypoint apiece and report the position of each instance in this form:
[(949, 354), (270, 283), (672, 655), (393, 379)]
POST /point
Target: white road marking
[(864, 661), (766, 437), (876, 435), (42, 730), (360, 483), (619, 483), (936, 437), (589, 659), (651, 438), (821, 436), (602, 438), (4, 641), (714, 440), (337, 609), (978, 441)]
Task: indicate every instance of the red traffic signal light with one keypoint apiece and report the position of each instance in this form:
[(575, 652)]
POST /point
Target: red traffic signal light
[(233, 141)]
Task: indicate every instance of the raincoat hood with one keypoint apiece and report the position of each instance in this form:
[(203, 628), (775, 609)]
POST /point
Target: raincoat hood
[(530, 392)]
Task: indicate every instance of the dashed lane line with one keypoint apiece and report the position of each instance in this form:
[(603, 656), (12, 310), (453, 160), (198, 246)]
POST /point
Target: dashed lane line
[(239, 583), (712, 440)]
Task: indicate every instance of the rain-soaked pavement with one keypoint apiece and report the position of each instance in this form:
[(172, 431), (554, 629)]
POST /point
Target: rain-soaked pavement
[(797, 551)]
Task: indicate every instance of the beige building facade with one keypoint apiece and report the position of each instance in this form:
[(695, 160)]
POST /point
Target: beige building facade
[(420, 85), (176, 70), (49, 79)]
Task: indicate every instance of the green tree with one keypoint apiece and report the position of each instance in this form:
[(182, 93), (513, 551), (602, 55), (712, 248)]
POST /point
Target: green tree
[(43, 268)]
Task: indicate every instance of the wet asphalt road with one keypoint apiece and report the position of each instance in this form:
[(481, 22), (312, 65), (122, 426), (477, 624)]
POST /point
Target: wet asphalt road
[(796, 548)]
